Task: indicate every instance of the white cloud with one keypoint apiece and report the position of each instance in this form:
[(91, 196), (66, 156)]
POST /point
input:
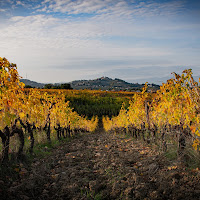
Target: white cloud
[(118, 8), (56, 76), (20, 3), (41, 44), (2, 10), (75, 7), (50, 34)]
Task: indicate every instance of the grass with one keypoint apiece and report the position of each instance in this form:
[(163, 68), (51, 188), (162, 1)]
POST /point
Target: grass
[(91, 195), (41, 145), (43, 149), (98, 196), (171, 154), (10, 171), (191, 157)]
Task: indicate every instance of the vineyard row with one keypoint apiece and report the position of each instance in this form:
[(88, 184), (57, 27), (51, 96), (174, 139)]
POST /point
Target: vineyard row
[(29, 112), (168, 117)]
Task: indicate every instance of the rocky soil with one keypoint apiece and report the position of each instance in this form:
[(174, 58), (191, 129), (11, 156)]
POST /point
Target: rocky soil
[(102, 166)]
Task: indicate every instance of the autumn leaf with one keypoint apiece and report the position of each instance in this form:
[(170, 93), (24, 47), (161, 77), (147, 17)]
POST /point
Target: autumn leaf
[(172, 167), (193, 129), (55, 176), (22, 115), (142, 152)]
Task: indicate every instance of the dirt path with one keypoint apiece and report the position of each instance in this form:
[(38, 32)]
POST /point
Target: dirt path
[(102, 166)]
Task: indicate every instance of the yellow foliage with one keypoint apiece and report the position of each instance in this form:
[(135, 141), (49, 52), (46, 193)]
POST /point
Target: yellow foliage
[(175, 103), (34, 106)]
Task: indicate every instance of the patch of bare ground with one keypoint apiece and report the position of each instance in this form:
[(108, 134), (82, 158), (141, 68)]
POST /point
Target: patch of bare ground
[(103, 166)]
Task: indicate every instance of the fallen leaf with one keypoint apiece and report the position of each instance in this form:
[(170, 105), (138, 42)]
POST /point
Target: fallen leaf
[(54, 176), (172, 167), (142, 152)]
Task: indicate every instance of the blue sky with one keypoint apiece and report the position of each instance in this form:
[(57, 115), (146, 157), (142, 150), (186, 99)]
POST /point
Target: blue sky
[(65, 40)]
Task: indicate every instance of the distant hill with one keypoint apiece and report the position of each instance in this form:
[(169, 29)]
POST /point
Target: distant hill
[(105, 83), (32, 83)]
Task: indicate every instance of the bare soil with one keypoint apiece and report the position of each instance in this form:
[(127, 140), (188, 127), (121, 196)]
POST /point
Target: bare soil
[(102, 166)]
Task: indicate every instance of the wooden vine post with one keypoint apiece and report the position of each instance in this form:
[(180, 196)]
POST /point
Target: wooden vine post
[(181, 143), (20, 133), (147, 113), (147, 108), (5, 136)]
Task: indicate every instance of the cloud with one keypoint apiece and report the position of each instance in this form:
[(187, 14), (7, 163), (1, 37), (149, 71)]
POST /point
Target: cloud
[(120, 18), (20, 3), (57, 76), (75, 7), (97, 37), (109, 7), (2, 10), (44, 41)]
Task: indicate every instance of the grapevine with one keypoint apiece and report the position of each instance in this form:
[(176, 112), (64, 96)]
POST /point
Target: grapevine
[(174, 108), (30, 112)]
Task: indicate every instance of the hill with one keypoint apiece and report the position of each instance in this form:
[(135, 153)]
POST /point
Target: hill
[(105, 83), (32, 83)]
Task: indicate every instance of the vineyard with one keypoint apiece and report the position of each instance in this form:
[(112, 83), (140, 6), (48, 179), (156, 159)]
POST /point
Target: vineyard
[(169, 118), (95, 102), (29, 115), (124, 144)]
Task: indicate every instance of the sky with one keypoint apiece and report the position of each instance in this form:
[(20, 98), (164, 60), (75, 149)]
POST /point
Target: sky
[(135, 40)]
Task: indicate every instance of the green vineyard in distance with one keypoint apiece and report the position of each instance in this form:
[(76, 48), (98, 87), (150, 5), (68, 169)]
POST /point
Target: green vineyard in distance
[(91, 103)]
